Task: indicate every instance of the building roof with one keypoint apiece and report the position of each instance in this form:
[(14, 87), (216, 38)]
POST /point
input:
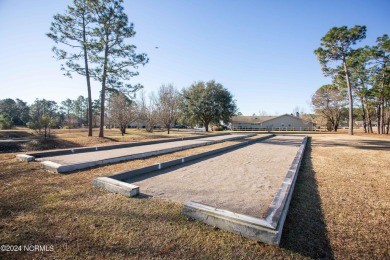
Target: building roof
[(259, 119), (252, 119)]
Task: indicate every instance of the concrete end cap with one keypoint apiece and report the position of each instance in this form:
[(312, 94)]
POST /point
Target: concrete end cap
[(116, 186), (25, 157)]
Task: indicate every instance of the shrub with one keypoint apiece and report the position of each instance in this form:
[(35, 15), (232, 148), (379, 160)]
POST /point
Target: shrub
[(5, 122), (217, 128)]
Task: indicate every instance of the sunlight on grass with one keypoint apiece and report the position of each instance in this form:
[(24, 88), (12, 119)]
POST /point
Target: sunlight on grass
[(336, 211)]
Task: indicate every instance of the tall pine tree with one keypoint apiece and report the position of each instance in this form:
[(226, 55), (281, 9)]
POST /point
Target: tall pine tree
[(336, 46), (72, 30), (113, 55)]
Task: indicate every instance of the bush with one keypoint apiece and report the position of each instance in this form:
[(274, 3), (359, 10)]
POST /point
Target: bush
[(217, 128), (39, 145), (5, 122)]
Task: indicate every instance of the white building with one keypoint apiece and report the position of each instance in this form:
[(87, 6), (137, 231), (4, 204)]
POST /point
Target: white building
[(271, 123)]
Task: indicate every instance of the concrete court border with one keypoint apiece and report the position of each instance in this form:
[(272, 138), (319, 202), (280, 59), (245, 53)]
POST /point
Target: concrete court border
[(116, 182), (268, 229), (66, 168), (32, 156)]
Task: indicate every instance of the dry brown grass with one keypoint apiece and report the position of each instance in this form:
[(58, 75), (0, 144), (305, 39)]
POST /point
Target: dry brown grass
[(72, 138), (353, 176), (17, 133), (360, 132), (340, 208)]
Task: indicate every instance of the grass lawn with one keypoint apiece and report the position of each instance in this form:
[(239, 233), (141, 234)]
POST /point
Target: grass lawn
[(71, 138), (340, 209)]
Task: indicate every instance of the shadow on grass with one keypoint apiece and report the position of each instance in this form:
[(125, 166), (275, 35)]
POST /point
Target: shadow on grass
[(379, 145), (49, 144), (143, 196), (305, 230), (112, 139), (41, 144), (10, 134), (11, 147)]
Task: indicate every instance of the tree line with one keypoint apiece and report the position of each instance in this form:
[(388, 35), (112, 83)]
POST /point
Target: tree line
[(359, 76), (202, 103)]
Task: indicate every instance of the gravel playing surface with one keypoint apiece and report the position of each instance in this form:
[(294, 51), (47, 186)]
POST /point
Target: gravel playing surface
[(243, 180)]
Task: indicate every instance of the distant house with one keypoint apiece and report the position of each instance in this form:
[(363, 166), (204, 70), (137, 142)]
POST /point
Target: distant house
[(361, 123), (271, 123), (136, 124)]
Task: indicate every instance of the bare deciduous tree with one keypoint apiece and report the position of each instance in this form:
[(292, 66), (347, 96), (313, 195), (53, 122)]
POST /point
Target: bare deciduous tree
[(328, 102), (123, 111), (147, 112), (262, 113), (167, 104)]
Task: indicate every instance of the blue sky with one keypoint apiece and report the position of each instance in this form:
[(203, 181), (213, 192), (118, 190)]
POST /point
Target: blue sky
[(261, 51)]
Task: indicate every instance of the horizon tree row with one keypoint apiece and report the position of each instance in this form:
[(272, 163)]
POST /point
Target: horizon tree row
[(202, 103), (167, 106)]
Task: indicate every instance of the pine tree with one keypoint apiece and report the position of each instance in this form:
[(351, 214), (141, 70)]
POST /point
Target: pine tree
[(73, 31), (113, 55), (336, 47)]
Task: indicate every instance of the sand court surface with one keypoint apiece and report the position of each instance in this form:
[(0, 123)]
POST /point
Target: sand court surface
[(76, 161), (244, 180), (101, 155)]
